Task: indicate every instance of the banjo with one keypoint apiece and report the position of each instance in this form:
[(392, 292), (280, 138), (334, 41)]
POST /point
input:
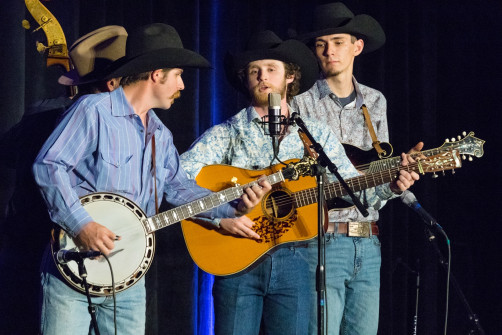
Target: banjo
[(133, 253)]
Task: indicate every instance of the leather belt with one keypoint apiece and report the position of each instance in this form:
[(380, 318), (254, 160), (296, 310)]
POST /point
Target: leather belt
[(353, 229)]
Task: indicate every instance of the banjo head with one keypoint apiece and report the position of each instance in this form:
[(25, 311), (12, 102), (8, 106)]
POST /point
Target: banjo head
[(130, 259)]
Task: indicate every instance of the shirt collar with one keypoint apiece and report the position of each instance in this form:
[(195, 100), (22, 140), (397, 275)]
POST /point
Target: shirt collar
[(324, 90), (121, 107), (252, 115)]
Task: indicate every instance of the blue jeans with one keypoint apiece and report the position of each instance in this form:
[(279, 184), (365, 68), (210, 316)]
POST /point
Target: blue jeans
[(352, 285), (274, 294), (64, 310)]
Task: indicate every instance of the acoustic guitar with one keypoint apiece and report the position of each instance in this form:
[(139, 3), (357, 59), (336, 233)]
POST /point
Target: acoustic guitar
[(287, 214)]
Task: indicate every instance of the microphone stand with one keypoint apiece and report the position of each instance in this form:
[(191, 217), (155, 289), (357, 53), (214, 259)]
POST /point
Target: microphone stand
[(408, 198), (324, 161), (473, 318), (417, 294), (92, 310), (318, 170)]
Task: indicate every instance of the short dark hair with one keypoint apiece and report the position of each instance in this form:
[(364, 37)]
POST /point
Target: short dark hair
[(125, 81), (311, 42), (292, 69)]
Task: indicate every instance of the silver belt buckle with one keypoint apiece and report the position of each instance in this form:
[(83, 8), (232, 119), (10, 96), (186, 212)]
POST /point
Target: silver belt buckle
[(359, 229)]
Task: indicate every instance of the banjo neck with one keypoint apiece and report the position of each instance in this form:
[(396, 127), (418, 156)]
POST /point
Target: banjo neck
[(204, 204)]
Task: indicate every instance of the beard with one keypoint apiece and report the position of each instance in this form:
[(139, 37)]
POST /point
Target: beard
[(261, 98), (175, 95), (332, 73)]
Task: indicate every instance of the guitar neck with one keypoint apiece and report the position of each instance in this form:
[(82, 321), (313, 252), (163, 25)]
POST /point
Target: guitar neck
[(204, 204), (336, 190), (390, 163)]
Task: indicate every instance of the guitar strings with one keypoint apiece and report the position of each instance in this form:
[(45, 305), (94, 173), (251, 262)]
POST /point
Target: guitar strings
[(383, 162), (360, 182)]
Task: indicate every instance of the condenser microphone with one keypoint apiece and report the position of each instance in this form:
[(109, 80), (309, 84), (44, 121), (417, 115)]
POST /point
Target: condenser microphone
[(409, 199), (64, 256), (274, 114)]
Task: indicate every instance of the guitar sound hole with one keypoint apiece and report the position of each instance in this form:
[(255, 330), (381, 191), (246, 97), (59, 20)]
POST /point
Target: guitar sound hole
[(279, 205), (280, 216)]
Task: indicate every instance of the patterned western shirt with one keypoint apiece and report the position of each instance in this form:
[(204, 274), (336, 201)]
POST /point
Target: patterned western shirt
[(240, 141), (348, 124), (101, 145)]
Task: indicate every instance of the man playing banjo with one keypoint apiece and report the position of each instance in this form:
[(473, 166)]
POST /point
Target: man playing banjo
[(114, 142)]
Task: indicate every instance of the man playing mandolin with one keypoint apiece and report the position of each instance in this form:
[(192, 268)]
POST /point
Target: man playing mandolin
[(114, 142), (274, 293), (351, 110)]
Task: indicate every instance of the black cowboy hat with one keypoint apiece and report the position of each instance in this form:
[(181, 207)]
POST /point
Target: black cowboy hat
[(156, 46), (267, 45), (336, 18)]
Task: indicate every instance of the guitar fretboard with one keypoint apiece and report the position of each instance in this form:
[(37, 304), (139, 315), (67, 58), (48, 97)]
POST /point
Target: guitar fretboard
[(336, 190), (469, 145), (204, 204)]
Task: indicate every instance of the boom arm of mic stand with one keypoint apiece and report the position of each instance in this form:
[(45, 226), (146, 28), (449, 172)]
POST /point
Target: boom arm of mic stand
[(326, 162)]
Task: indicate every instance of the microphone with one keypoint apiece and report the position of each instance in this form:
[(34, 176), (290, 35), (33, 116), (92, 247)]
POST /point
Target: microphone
[(274, 114), (64, 256), (409, 199)]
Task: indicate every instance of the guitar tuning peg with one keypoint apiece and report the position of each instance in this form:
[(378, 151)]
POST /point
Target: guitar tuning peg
[(470, 158), (434, 175), (453, 139), (464, 133), (447, 140), (463, 157), (452, 171), (444, 173), (459, 137)]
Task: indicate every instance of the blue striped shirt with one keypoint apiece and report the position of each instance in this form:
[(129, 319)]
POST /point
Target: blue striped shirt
[(101, 146)]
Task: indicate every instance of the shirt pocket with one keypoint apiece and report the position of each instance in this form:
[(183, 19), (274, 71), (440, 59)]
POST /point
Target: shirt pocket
[(114, 159)]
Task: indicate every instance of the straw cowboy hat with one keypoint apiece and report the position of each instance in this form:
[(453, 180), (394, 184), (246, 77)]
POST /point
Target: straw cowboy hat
[(93, 53)]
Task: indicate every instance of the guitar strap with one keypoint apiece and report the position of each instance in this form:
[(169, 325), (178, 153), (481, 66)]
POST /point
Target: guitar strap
[(376, 142), (307, 144), (154, 175)]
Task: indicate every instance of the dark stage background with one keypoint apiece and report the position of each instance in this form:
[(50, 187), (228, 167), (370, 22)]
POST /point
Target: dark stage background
[(440, 71)]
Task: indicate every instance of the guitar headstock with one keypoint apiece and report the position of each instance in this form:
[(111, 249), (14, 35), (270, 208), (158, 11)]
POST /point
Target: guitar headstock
[(467, 146), (302, 168), (447, 160)]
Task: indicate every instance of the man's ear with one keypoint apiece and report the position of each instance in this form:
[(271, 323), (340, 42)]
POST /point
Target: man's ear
[(358, 47), (157, 75), (290, 79), (112, 84)]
